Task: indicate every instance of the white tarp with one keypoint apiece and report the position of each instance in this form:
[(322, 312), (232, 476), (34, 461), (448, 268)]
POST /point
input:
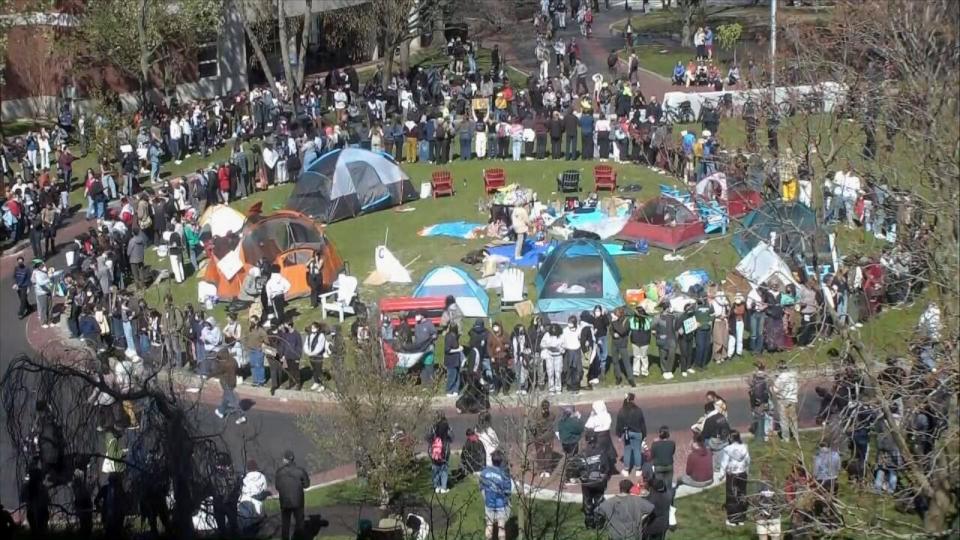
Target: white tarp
[(832, 93), (230, 264), (763, 263)]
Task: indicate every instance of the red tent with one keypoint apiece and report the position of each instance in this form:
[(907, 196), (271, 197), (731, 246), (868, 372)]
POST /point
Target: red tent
[(665, 223), (741, 200)]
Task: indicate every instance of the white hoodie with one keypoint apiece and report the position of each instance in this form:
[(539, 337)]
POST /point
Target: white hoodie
[(735, 459), (599, 419), (276, 285)]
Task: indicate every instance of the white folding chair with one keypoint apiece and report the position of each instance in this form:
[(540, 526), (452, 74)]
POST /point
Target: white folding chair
[(340, 299), (511, 290)]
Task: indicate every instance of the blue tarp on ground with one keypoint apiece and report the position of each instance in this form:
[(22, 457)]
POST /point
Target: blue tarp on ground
[(455, 229)]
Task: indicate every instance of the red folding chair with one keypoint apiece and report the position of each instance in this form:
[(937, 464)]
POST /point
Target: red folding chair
[(605, 178), (441, 183), (494, 179)]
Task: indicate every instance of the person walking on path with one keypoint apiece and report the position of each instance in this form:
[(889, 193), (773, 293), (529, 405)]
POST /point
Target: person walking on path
[(21, 284), (496, 485), (291, 480), (227, 373)]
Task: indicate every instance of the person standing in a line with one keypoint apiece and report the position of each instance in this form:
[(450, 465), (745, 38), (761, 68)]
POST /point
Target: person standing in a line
[(314, 347), (42, 290), (496, 485), (785, 390), (291, 480)]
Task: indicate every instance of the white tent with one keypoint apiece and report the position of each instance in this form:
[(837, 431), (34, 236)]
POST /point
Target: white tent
[(388, 268), (763, 263), (222, 220), (446, 281)]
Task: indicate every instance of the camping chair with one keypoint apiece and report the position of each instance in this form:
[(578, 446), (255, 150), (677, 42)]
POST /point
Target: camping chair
[(511, 289), (568, 181), (493, 179), (714, 217), (605, 178), (340, 300), (441, 183)]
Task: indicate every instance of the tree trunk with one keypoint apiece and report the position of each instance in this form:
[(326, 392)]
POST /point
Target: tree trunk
[(288, 74), (144, 52), (304, 42), (255, 44), (405, 55), (438, 25)]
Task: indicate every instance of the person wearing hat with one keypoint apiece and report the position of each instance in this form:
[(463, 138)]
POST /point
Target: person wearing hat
[(291, 481)]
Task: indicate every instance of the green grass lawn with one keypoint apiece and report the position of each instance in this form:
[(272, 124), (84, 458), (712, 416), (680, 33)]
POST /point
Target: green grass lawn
[(699, 516), (754, 19), (659, 59)]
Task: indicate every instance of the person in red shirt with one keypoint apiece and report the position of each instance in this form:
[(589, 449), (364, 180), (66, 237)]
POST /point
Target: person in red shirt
[(223, 182), (699, 471)]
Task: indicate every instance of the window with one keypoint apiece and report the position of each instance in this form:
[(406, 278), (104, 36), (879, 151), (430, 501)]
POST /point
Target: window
[(208, 60)]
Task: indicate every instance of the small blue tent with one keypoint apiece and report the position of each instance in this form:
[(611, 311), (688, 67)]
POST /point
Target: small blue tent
[(576, 276), (446, 281)]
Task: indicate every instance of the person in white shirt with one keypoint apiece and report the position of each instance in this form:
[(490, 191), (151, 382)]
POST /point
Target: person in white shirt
[(276, 289), (235, 330), (488, 437), (785, 390), (551, 349), (176, 133), (572, 356), (735, 464), (520, 219), (315, 348)]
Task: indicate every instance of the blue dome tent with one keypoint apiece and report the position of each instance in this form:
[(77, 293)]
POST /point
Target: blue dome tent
[(446, 281), (576, 276)]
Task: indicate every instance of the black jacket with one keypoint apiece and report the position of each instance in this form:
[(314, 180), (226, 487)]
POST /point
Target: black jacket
[(556, 128), (291, 481), (630, 418), (715, 426), (571, 125), (658, 521)]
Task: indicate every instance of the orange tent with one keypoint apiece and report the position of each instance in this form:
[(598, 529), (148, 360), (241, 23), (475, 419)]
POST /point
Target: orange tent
[(287, 239)]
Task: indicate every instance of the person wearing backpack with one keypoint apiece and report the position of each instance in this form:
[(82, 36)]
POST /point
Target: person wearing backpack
[(439, 452), (593, 480)]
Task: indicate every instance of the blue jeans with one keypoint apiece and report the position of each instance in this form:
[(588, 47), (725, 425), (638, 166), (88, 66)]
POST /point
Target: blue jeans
[(632, 452), (602, 353), (230, 403), (440, 475), (886, 475), (517, 149), (192, 250), (466, 148), (128, 336), (144, 345), (756, 331), (703, 348), (154, 170), (256, 366), (91, 208), (453, 379), (100, 209)]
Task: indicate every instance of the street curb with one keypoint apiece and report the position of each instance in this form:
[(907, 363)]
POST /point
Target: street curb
[(513, 400)]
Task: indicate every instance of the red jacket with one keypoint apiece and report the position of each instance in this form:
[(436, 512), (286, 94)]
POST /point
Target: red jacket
[(223, 177)]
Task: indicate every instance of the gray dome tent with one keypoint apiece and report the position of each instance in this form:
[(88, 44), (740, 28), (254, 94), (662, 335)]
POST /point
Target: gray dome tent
[(345, 183)]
